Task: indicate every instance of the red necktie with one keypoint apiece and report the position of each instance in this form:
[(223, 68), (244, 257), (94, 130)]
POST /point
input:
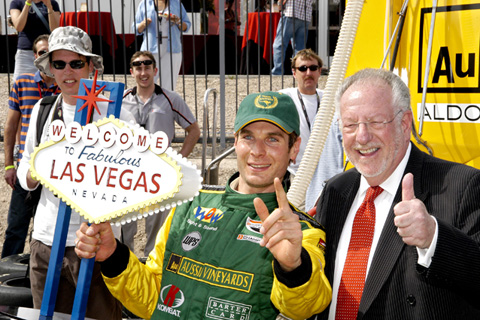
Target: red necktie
[(354, 271)]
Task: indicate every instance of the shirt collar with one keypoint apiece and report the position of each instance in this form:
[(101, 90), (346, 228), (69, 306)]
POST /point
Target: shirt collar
[(158, 90), (38, 77)]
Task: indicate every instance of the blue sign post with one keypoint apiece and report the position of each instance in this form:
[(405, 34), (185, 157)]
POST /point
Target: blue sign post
[(86, 105)]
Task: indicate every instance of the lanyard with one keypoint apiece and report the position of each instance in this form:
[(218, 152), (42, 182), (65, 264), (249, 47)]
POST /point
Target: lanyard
[(40, 15), (58, 112), (142, 113), (159, 24), (40, 91), (305, 109)]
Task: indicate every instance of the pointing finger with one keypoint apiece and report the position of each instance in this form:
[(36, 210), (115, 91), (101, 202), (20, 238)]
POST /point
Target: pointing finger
[(281, 195)]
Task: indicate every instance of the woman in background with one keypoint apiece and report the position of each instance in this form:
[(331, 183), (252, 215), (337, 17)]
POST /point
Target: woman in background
[(231, 20), (161, 23), (31, 18)]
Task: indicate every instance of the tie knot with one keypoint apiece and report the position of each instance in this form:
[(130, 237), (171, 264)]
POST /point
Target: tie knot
[(372, 193)]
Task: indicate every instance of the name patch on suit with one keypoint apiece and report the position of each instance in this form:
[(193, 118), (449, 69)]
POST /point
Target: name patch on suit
[(216, 276)]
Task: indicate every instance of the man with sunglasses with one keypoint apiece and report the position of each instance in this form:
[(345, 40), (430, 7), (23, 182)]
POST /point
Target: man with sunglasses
[(156, 109), (307, 69), (69, 60), (27, 89)]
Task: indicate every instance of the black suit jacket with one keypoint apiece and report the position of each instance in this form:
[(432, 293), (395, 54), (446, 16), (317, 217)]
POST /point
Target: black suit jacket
[(396, 286)]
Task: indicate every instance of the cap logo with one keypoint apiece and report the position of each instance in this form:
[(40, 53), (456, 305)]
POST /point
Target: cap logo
[(266, 102)]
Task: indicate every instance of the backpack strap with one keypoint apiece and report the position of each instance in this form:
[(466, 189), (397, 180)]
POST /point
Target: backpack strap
[(45, 106)]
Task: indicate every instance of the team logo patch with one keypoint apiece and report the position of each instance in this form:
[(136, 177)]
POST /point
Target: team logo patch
[(191, 240), (321, 245), (172, 298), (253, 225), (174, 263), (208, 215), (246, 237), (266, 101), (224, 309)]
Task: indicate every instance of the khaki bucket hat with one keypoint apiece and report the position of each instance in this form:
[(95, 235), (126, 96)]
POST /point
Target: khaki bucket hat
[(72, 39)]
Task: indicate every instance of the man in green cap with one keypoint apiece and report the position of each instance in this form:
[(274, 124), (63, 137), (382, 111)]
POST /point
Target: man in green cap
[(239, 253)]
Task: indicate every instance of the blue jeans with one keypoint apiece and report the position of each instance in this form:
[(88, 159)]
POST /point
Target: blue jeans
[(22, 208), (286, 29)]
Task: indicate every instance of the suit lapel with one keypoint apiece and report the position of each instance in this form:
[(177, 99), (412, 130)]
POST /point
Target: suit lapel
[(390, 244), (334, 221), (343, 205)]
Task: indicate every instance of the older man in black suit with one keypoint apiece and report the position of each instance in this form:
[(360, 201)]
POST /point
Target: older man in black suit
[(403, 228)]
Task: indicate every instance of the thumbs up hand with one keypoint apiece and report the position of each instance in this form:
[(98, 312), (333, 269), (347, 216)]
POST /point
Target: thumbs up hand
[(414, 224)]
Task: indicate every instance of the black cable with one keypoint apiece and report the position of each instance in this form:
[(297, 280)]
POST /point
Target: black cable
[(10, 315)]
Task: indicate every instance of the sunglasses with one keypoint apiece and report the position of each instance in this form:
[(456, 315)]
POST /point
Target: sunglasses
[(74, 64), (41, 52), (304, 68), (139, 63)]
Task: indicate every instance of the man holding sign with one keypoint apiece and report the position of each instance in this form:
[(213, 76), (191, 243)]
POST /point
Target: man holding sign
[(239, 253), (69, 60), (404, 227)]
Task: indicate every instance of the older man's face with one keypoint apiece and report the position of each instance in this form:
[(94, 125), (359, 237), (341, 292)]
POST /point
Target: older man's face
[(375, 136), (262, 154)]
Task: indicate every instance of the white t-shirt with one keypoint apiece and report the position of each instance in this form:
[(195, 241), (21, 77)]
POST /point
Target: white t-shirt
[(331, 160), (311, 104)]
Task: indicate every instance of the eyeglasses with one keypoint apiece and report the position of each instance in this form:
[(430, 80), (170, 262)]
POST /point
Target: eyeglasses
[(139, 63), (74, 64), (373, 125), (41, 52), (304, 68)]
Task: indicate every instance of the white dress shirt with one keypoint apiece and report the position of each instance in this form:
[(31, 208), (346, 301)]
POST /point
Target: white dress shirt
[(383, 204)]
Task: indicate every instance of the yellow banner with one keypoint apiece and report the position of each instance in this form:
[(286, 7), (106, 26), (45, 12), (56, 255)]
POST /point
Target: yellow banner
[(451, 124)]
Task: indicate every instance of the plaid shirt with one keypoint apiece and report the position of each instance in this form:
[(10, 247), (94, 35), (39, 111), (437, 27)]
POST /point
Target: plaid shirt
[(300, 9)]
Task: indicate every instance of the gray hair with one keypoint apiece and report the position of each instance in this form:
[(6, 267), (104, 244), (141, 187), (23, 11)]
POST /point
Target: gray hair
[(400, 91)]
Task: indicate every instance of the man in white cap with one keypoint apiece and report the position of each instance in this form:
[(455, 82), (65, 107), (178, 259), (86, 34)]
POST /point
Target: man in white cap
[(70, 59)]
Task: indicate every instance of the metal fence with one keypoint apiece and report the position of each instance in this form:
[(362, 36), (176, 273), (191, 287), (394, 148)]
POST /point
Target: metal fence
[(234, 62)]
